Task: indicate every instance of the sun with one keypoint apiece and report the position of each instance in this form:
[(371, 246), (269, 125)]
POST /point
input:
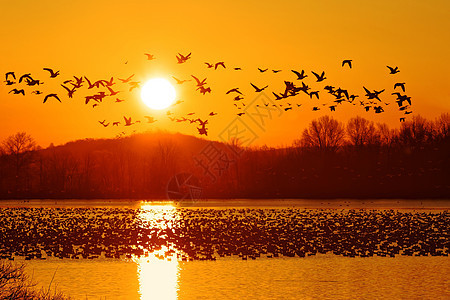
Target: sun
[(158, 93)]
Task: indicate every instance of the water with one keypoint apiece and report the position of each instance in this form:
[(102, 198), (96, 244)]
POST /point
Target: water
[(322, 276)]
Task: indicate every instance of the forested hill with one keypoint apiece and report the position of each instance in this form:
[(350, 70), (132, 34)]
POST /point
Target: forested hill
[(359, 159)]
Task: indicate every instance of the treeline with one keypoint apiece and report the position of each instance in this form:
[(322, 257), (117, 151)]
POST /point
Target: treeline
[(358, 159)]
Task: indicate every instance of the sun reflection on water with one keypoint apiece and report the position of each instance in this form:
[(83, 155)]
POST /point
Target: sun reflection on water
[(158, 270)]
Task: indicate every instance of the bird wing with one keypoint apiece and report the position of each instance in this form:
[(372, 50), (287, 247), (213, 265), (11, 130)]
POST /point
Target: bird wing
[(256, 88)]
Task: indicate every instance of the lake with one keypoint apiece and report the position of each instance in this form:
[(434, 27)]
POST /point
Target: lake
[(235, 249)]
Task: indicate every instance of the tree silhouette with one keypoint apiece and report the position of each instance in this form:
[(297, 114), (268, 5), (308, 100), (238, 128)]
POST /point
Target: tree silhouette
[(325, 134), (19, 148), (361, 132)]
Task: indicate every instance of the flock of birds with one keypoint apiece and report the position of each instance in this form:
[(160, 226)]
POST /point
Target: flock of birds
[(106, 89), (206, 234)]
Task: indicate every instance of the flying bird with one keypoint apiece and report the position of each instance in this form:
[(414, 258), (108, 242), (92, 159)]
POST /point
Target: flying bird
[(69, 91), (51, 96), (10, 74), (300, 75), (220, 63), (348, 62), (181, 58), (16, 91), (276, 71), (235, 90), (150, 119), (393, 70), (149, 56), (208, 65), (257, 89), (53, 74), (319, 77), (180, 81), (199, 83), (126, 80), (128, 121), (401, 85), (262, 70)]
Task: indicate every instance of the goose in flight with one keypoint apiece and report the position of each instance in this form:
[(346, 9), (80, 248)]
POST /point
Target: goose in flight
[(9, 82), (401, 85), (262, 70), (287, 108), (126, 80), (36, 92), (53, 74), (119, 100), (25, 76), (212, 113), (180, 81), (278, 97), (204, 90), (78, 83), (237, 98), (240, 114), (69, 91), (393, 70), (128, 121), (220, 63), (16, 91), (51, 96), (257, 89), (149, 56), (319, 77), (134, 85), (315, 93), (113, 93), (348, 62), (276, 71), (237, 69), (103, 123), (378, 109), (199, 83), (181, 58), (150, 119), (235, 90), (300, 75), (373, 95), (116, 123), (208, 65), (10, 74)]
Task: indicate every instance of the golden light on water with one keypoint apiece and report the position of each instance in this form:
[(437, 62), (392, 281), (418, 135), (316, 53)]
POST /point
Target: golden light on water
[(158, 271)]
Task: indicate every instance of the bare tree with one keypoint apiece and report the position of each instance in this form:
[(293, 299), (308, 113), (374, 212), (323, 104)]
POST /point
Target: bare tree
[(19, 147), (324, 133), (441, 127), (416, 131), (361, 132)]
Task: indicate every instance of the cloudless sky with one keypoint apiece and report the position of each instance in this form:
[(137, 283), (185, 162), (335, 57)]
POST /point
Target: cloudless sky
[(103, 39)]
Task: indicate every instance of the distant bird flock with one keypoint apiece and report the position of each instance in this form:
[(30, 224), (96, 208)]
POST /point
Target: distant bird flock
[(105, 89)]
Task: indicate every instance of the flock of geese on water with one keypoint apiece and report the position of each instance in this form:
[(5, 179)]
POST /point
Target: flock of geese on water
[(207, 234), (373, 102)]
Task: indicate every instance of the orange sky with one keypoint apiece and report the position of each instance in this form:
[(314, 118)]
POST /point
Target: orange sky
[(96, 39)]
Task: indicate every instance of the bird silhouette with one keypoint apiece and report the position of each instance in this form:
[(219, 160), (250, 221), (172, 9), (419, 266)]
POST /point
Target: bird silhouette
[(212, 113), (12, 74), (103, 123), (51, 96), (276, 71), (127, 121), (150, 119), (319, 77), (16, 91), (402, 119), (262, 70), (149, 56), (221, 63), (119, 100), (401, 85), (181, 58), (25, 76), (180, 81), (208, 65), (69, 91), (204, 90), (112, 92), (237, 98), (348, 62), (126, 80), (234, 90), (53, 74), (240, 114), (315, 93), (393, 70), (199, 83), (257, 89), (116, 123), (300, 75)]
